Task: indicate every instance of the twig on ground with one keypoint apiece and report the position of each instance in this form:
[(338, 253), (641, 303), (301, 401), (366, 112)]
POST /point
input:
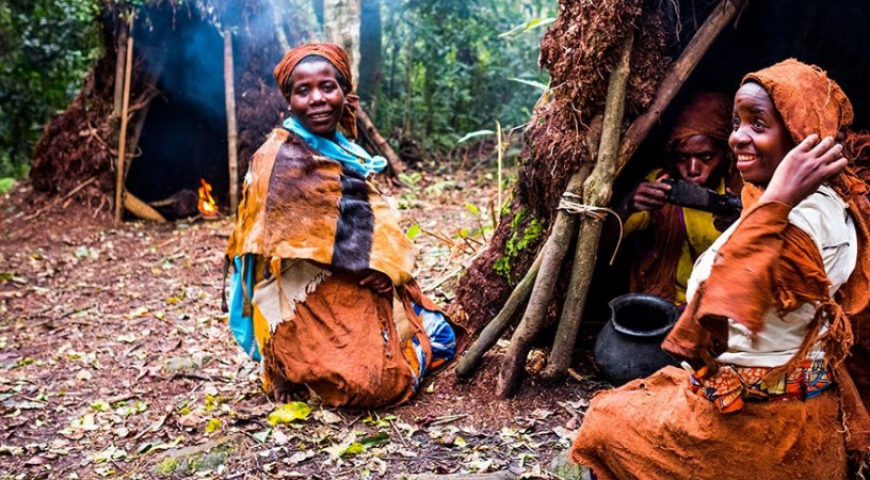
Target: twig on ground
[(58, 201)]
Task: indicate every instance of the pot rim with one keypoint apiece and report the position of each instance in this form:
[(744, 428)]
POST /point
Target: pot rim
[(654, 301)]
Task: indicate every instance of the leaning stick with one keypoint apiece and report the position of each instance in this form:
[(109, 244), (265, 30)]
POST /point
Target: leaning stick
[(597, 187), (676, 77), (596, 193), (122, 141), (496, 327)]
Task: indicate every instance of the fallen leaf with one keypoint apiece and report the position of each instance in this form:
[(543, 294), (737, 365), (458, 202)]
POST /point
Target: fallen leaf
[(110, 453), (213, 425), (289, 412), (300, 457)]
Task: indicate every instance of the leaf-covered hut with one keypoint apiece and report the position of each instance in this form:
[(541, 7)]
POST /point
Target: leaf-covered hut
[(616, 68), (177, 131)]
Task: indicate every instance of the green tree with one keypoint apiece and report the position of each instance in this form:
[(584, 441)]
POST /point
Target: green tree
[(47, 48), (448, 71)]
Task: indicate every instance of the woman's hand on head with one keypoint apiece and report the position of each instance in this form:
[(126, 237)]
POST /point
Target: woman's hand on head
[(804, 169), (377, 281)]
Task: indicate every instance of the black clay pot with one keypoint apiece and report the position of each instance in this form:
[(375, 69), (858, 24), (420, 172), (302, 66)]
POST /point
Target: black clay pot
[(629, 345)]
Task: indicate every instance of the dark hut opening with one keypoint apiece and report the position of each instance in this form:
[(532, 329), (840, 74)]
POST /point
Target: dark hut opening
[(184, 136)]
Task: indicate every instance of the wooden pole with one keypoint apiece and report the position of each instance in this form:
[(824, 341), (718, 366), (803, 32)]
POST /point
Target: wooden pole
[(119, 70), (278, 22), (596, 193), (232, 132), (122, 140), (514, 362), (676, 77)]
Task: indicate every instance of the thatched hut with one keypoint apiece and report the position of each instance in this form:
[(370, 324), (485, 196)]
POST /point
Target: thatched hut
[(665, 50), (177, 129)]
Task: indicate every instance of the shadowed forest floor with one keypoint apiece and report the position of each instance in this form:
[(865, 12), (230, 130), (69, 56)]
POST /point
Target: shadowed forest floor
[(116, 361)]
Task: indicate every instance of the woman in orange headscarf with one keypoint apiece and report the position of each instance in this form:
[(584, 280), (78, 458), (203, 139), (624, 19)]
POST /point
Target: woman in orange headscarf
[(326, 268), (773, 309)]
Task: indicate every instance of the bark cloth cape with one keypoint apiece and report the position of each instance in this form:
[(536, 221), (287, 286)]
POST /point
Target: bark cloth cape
[(673, 434), (660, 246), (301, 205)]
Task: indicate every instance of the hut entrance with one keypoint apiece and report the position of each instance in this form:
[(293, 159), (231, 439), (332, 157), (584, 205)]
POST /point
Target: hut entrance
[(184, 136)]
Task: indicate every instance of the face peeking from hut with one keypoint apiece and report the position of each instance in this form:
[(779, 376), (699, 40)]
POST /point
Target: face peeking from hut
[(700, 159), (316, 95)]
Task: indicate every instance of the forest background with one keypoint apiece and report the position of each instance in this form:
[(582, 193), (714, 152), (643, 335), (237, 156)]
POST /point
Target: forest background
[(432, 71)]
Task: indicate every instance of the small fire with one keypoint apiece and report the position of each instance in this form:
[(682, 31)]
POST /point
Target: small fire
[(207, 205)]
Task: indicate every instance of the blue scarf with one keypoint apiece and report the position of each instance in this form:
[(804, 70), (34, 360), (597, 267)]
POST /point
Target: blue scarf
[(343, 150)]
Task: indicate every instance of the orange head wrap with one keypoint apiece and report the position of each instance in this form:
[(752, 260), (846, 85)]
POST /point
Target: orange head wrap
[(808, 101), (707, 113), (338, 58)]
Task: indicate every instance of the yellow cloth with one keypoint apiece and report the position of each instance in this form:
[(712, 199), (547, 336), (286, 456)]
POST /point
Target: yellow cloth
[(700, 234)]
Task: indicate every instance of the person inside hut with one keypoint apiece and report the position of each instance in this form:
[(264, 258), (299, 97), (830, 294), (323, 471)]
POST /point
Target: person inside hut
[(775, 306), (667, 238), (325, 270)]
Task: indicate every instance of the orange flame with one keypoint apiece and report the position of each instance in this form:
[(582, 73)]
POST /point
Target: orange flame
[(207, 205)]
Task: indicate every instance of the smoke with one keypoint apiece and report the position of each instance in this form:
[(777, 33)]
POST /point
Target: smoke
[(185, 46)]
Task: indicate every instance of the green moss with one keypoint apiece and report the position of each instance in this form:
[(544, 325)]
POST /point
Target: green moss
[(168, 466), (520, 240)]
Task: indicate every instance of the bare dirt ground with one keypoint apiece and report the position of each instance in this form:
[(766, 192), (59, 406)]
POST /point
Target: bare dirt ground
[(116, 361)]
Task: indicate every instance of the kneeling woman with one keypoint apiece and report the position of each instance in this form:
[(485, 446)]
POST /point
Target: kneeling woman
[(323, 265), (773, 305)]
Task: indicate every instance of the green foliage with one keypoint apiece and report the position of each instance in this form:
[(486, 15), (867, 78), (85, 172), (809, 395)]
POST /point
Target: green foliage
[(6, 184), (447, 71), (48, 47)]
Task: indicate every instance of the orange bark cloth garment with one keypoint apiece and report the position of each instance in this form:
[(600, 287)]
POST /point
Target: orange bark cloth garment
[(338, 57), (767, 263), (342, 345), (656, 429), (659, 248), (299, 205)]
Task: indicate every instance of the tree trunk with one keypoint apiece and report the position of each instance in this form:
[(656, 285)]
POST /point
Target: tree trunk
[(371, 59), (341, 25)]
